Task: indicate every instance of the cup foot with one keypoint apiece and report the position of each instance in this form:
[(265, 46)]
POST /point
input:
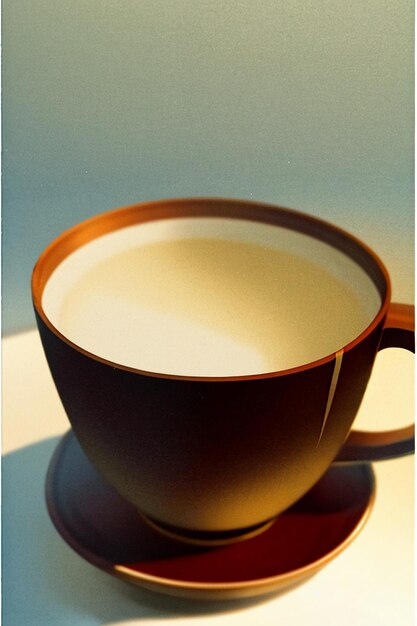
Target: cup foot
[(107, 531), (206, 538)]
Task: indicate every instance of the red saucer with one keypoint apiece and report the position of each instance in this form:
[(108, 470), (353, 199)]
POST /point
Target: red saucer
[(107, 531)]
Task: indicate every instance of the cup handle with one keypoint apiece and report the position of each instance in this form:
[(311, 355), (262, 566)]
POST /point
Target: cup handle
[(363, 446)]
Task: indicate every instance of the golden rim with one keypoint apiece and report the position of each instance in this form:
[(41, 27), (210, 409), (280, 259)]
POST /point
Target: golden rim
[(92, 228)]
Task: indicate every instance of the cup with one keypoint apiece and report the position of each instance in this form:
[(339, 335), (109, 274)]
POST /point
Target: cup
[(211, 355)]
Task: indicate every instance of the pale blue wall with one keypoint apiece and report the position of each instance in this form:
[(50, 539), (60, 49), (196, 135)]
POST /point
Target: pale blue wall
[(109, 102)]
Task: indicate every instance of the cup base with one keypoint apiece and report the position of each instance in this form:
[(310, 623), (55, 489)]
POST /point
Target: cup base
[(107, 531), (206, 538)]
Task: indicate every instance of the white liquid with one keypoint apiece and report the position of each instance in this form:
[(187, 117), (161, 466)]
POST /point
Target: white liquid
[(209, 297)]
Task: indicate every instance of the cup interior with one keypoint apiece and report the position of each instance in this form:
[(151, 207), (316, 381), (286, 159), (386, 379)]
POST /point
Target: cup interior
[(214, 295)]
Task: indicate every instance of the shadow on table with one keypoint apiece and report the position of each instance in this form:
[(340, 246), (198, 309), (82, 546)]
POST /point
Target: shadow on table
[(45, 582)]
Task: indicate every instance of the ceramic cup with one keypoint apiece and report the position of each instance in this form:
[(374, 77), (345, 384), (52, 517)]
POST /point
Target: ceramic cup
[(216, 456)]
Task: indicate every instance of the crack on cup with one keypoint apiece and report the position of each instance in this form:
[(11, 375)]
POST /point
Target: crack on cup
[(332, 389)]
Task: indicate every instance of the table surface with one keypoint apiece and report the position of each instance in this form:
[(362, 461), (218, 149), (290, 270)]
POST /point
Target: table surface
[(46, 583)]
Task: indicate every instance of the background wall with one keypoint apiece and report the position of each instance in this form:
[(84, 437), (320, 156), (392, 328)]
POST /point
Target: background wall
[(110, 102)]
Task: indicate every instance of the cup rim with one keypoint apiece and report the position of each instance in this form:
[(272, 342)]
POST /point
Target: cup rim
[(109, 221)]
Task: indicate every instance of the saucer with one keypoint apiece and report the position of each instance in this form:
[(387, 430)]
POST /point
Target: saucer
[(109, 533)]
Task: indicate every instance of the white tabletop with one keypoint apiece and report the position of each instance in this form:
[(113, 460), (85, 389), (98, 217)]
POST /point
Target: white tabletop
[(46, 583)]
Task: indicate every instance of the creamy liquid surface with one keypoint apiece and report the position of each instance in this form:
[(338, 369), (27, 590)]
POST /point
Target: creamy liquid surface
[(209, 307)]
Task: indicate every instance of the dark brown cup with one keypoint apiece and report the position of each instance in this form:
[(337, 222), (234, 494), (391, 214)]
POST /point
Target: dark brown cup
[(257, 445)]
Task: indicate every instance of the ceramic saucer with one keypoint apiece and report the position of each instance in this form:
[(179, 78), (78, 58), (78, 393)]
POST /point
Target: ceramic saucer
[(108, 532)]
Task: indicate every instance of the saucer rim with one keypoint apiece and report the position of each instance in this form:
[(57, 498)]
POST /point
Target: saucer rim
[(293, 574), (178, 587)]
